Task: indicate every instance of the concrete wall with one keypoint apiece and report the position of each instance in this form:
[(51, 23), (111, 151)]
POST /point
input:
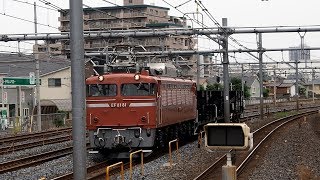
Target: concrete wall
[(63, 92)]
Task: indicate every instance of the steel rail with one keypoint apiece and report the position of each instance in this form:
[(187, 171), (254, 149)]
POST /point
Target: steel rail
[(34, 160), (92, 170), (254, 151), (223, 158), (22, 137), (19, 147)]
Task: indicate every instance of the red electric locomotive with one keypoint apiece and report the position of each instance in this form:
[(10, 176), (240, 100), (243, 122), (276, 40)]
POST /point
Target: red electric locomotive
[(126, 111)]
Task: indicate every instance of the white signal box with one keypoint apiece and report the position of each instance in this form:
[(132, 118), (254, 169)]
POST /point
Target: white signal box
[(222, 136)]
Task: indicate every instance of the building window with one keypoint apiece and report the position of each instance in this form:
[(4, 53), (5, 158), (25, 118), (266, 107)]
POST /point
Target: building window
[(130, 1), (54, 82), (253, 90)]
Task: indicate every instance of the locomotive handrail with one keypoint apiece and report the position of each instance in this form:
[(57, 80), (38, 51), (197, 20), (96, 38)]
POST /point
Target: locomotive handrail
[(113, 165), (131, 154)]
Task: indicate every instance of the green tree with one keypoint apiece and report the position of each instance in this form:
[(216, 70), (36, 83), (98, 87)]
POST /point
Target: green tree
[(266, 92), (214, 87), (236, 85), (202, 88), (302, 90), (246, 92)]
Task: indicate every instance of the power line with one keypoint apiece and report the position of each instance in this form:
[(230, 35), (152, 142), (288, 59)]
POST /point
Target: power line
[(14, 47), (47, 25), (25, 2), (204, 9), (52, 5), (201, 24), (182, 4)]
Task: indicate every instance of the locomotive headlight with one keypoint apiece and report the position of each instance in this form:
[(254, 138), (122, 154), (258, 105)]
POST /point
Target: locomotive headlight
[(136, 77), (137, 133), (100, 78)]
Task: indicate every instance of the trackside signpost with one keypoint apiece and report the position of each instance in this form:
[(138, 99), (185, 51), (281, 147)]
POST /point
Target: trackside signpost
[(226, 136), (17, 81)]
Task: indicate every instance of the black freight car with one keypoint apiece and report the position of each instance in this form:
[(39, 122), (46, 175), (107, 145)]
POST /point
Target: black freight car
[(210, 106)]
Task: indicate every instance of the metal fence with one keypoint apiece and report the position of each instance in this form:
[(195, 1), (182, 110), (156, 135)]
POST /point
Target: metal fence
[(257, 101), (270, 100), (29, 123)]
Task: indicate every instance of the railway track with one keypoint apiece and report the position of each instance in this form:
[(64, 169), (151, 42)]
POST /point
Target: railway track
[(94, 171), (98, 171), (41, 142), (252, 114), (34, 160), (243, 158), (37, 135)]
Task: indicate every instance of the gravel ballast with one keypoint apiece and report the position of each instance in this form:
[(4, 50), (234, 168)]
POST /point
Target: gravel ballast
[(291, 156)]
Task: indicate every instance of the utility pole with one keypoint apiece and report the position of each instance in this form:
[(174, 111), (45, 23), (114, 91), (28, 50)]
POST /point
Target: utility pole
[(296, 86), (39, 124), (78, 90), (198, 72), (36, 57), (242, 79), (35, 20), (226, 80), (260, 75), (313, 76), (274, 86)]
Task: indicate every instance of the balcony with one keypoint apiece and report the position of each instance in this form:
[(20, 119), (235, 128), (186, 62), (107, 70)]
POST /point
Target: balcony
[(134, 15), (104, 16), (67, 28), (67, 18), (64, 28)]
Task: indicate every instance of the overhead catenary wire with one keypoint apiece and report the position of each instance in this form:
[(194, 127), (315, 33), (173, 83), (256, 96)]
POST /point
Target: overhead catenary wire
[(52, 5), (199, 23), (204, 9), (26, 20), (26, 2)]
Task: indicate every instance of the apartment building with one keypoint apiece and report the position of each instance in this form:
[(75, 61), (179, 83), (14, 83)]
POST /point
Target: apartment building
[(52, 48), (134, 14)]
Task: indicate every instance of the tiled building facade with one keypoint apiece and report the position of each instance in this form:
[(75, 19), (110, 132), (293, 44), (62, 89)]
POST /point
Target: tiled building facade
[(133, 15)]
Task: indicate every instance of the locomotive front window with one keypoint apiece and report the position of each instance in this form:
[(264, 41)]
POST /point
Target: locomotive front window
[(138, 89), (101, 90)]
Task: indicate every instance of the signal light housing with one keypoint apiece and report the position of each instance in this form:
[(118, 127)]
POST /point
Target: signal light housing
[(227, 136)]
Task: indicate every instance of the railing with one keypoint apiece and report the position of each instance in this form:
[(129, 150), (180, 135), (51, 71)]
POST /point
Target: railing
[(131, 154), (114, 165), (170, 156), (270, 100)]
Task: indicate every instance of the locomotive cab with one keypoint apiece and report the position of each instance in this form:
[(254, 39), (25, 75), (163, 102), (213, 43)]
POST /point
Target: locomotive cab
[(121, 111)]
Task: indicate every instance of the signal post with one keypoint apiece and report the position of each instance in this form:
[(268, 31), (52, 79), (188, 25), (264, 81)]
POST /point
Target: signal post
[(226, 136)]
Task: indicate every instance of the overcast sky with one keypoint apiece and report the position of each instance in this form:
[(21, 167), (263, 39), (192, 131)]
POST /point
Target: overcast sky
[(240, 13)]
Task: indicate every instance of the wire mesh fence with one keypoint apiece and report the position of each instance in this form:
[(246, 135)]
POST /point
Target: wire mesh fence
[(29, 123)]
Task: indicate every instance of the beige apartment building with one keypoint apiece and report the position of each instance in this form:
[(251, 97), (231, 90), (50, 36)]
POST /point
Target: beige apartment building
[(134, 14)]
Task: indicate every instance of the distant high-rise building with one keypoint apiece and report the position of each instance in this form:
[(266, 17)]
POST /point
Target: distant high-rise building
[(296, 55), (134, 14)]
